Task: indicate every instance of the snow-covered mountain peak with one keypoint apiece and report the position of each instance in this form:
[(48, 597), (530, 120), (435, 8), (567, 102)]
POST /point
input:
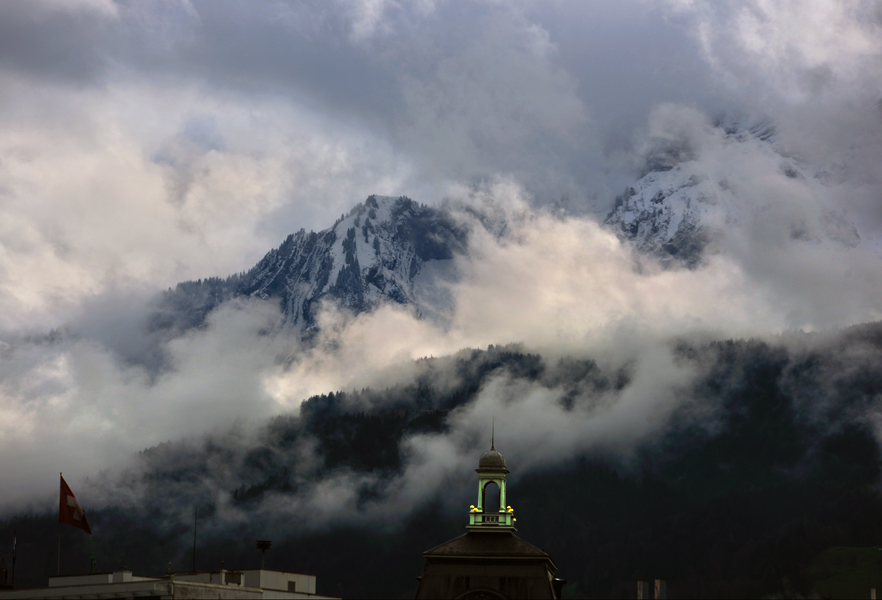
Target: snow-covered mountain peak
[(373, 254), (689, 199)]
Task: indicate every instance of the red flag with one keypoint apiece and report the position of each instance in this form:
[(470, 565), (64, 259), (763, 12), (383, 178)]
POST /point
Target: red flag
[(70, 511)]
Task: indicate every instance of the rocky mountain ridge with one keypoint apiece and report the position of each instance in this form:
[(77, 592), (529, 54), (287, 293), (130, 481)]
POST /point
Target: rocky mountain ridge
[(372, 255), (391, 249)]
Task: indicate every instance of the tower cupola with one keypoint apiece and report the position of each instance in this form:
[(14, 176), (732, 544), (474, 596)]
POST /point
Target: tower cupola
[(491, 472), (492, 460)]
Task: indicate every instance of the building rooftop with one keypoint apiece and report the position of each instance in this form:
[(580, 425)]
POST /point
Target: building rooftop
[(487, 545), (245, 583), (492, 460)]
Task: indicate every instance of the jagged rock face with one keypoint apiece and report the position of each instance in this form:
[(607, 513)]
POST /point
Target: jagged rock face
[(664, 216), (370, 256), (677, 213)]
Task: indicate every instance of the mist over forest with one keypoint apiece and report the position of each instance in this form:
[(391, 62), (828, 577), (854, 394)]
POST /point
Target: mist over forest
[(766, 456)]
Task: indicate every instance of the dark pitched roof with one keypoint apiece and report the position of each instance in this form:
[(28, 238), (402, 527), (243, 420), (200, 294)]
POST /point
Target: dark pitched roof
[(488, 544)]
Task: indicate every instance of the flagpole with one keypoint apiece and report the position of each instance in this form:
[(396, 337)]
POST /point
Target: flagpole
[(58, 527), (195, 514)]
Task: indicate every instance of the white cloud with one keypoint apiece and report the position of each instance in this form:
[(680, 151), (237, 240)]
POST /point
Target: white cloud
[(110, 190), (132, 170), (103, 8), (559, 285), (790, 48), (498, 93)]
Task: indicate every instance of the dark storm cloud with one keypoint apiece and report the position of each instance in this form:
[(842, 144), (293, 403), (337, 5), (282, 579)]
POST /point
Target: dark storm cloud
[(268, 47), (67, 44), (628, 57), (259, 47), (466, 89)]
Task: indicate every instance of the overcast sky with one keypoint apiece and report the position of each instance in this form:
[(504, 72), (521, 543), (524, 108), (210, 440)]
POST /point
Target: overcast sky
[(148, 142), (145, 143)]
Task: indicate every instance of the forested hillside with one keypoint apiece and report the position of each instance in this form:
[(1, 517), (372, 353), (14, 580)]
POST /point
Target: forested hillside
[(771, 459)]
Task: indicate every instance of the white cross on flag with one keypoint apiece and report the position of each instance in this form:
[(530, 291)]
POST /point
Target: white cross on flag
[(70, 511)]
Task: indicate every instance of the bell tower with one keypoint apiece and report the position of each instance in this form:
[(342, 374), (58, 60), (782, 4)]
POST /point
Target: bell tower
[(491, 470), (489, 560)]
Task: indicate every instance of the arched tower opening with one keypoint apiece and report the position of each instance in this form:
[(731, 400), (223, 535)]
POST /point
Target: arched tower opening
[(492, 497)]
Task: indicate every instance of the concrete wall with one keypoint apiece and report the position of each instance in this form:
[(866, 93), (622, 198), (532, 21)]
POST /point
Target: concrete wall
[(205, 584), (279, 580), (204, 591)]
